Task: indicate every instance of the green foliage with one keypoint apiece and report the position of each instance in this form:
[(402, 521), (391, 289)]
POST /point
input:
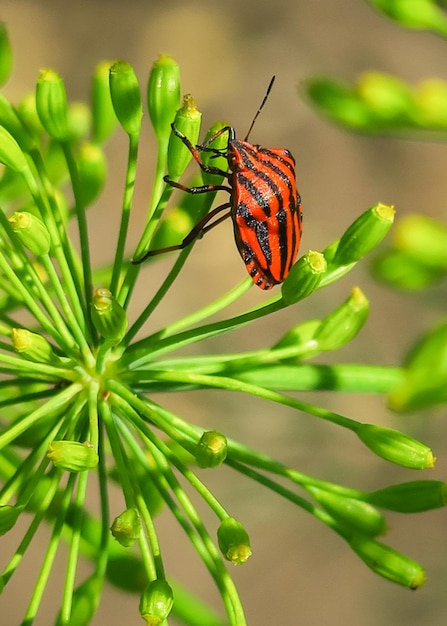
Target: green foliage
[(77, 387)]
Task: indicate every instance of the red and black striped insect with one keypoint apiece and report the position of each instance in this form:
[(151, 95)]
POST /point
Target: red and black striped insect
[(264, 204)]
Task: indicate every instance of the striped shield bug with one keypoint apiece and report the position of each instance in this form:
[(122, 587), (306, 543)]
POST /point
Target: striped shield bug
[(264, 204)]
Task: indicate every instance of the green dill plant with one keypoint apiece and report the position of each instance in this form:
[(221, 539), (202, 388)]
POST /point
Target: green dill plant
[(77, 385)]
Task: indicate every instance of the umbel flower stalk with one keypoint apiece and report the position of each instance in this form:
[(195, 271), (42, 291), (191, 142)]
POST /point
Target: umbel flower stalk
[(77, 387)]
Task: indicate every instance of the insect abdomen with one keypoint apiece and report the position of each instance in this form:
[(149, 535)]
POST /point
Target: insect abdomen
[(266, 211)]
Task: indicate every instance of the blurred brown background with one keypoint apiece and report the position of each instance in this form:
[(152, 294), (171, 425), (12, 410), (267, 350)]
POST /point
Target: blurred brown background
[(300, 573)]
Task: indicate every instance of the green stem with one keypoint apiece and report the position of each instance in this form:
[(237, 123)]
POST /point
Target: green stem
[(73, 322), (142, 352), (131, 276), (125, 212), (130, 487), (221, 382), (41, 189), (82, 228), (33, 528), (54, 406), (73, 553), (207, 549), (50, 555)]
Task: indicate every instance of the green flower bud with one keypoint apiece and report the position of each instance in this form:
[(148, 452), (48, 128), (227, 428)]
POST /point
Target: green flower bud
[(340, 326), (8, 517), (33, 347), (163, 95), (233, 541), (388, 562), (84, 603), (126, 528), (126, 97), (6, 60), (51, 104), (31, 231), (431, 103), (27, 112), (304, 277), (422, 14), (388, 97), (104, 118), (211, 450), (401, 271), (340, 102), (396, 447), (424, 379), (156, 602), (92, 172), (12, 122), (72, 456), (79, 120), (220, 144), (423, 239), (176, 225), (364, 234), (411, 497), (357, 516), (108, 315), (187, 121), (300, 337), (10, 153)]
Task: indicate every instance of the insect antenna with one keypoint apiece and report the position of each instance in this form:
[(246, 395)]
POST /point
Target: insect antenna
[(267, 93)]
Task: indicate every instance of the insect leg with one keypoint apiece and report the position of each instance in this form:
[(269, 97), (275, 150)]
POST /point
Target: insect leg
[(195, 190), (195, 150), (199, 229)]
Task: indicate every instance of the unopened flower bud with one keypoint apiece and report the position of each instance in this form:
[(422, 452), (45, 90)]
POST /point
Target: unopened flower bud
[(233, 540), (364, 234), (27, 112), (156, 602), (51, 104), (6, 59), (211, 450), (11, 154), (356, 515), (340, 326), (209, 157), (13, 123), (33, 347), (92, 172), (387, 562), (8, 517), (302, 336), (126, 97), (431, 102), (339, 101), (108, 315), (104, 119), (31, 231), (396, 447), (423, 14), (72, 456), (187, 122), (424, 379), (79, 120), (423, 239), (163, 95), (388, 97), (304, 277), (411, 497), (126, 528)]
